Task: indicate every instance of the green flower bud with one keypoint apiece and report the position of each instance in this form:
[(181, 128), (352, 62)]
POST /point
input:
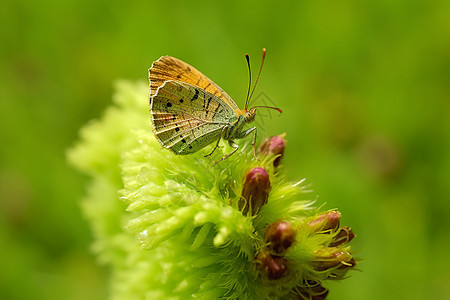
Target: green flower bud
[(255, 191), (331, 258)]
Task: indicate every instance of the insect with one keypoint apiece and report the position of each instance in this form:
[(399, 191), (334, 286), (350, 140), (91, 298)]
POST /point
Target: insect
[(189, 111)]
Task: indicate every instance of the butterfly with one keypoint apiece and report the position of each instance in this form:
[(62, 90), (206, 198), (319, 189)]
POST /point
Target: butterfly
[(189, 111)]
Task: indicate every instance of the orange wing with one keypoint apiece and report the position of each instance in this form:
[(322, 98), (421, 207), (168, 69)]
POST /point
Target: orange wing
[(171, 68)]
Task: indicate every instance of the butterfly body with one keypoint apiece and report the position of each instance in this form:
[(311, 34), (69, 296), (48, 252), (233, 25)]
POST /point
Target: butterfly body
[(189, 111)]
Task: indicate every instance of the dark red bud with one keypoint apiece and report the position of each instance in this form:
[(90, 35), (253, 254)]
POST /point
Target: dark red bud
[(279, 236), (344, 235), (274, 266), (326, 221), (274, 145), (255, 191)]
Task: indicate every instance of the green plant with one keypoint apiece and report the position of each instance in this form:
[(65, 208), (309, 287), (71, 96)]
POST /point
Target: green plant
[(175, 227)]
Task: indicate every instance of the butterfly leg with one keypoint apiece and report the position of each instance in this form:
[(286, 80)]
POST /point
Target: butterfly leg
[(254, 143), (217, 144), (247, 132), (232, 144)]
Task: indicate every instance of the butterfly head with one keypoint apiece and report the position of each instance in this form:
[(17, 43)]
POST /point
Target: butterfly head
[(249, 115)]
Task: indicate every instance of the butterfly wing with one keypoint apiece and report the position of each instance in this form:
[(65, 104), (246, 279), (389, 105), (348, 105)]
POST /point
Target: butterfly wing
[(187, 118), (171, 68)]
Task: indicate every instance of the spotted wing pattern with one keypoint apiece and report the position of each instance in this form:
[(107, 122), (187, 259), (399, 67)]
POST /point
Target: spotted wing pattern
[(186, 118), (171, 68)]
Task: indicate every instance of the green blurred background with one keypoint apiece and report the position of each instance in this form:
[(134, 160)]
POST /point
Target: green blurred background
[(365, 89)]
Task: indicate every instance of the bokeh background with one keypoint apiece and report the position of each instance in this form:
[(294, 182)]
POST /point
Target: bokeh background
[(365, 89)]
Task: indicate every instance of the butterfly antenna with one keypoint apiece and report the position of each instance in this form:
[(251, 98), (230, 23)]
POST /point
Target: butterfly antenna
[(271, 107), (249, 80), (259, 73)]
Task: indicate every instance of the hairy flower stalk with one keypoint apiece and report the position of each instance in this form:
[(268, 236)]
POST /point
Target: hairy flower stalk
[(178, 227)]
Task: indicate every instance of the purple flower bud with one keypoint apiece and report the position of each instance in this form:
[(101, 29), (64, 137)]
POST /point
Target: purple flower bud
[(255, 191), (274, 146), (325, 221), (344, 236), (274, 266), (279, 236)]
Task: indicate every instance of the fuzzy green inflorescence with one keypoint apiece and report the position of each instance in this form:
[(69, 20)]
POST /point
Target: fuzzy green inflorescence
[(178, 227)]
